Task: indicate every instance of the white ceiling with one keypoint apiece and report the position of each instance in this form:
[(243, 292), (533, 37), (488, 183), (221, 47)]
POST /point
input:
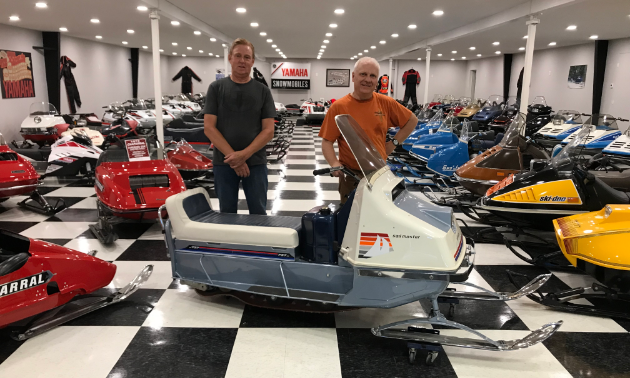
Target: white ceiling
[(298, 27)]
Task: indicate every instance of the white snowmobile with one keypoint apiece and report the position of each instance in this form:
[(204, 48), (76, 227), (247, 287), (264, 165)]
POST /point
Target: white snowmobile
[(187, 104), (563, 124), (314, 111), (39, 127), (384, 248)]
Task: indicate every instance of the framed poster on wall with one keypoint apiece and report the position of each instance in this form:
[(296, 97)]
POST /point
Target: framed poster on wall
[(337, 77), (289, 75), (17, 74), (577, 76)]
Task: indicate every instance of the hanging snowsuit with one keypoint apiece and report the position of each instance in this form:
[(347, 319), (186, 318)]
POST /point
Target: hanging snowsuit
[(411, 79), (258, 76), (383, 84), (187, 74), (71, 85)]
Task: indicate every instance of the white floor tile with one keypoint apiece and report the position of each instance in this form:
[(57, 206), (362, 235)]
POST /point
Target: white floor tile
[(72, 192), (18, 214), (104, 252), (373, 317), (252, 356), (12, 202), (72, 352), (295, 205), (535, 361), (161, 278), (56, 230), (307, 186), (185, 308), (88, 203)]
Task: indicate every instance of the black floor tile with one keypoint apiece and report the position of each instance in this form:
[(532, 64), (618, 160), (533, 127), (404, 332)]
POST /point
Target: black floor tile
[(483, 315), (17, 227), (43, 190), (296, 149), (60, 242), (76, 215), (301, 166), (176, 352), (601, 355), (497, 277), (300, 179), (297, 194), (145, 250), (301, 157), (257, 317), (124, 230), (68, 201), (363, 355), (82, 184), (133, 311), (176, 284), (7, 344)]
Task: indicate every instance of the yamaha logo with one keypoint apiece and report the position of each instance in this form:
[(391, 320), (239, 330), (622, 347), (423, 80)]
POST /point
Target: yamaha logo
[(25, 283)]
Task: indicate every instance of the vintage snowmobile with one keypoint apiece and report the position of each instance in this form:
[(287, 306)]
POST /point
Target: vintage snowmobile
[(186, 103), (43, 285), (619, 149), (314, 111), (437, 100), (39, 127), (469, 111), (538, 115), (502, 122), (191, 164), (604, 130), (362, 255), (492, 109), (563, 124)]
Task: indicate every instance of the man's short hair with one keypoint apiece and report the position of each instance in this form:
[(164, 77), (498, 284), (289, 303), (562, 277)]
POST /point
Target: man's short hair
[(242, 41), (367, 59)]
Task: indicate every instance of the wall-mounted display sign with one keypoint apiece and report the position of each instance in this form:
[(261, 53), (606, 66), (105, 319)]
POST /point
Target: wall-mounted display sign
[(288, 75), (337, 77), (17, 74)]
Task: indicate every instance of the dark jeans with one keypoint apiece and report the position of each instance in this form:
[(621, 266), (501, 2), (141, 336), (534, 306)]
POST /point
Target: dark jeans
[(255, 187)]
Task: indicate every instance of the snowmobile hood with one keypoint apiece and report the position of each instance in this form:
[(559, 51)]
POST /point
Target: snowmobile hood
[(620, 146), (597, 138), (561, 131), (42, 121), (17, 175), (438, 216)]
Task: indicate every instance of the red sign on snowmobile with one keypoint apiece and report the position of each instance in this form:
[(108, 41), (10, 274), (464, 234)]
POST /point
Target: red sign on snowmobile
[(137, 149)]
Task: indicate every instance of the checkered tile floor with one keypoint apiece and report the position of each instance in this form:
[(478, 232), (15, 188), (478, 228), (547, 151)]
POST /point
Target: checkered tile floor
[(186, 335)]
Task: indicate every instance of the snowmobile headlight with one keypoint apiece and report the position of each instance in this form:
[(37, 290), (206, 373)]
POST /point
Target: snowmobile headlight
[(37, 119), (607, 212)]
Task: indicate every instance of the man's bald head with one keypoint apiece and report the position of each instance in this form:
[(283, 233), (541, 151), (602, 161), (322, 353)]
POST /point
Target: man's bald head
[(365, 77)]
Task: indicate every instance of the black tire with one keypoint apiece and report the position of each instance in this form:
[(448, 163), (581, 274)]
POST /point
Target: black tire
[(412, 356)]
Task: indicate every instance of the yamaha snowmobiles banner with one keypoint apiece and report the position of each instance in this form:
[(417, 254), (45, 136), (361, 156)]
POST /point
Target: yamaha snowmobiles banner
[(17, 74), (289, 75)]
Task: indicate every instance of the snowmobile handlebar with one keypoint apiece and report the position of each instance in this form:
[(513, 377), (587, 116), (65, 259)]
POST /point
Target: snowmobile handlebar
[(324, 171)]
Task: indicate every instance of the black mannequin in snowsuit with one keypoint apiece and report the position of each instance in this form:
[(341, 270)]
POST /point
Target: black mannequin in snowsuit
[(411, 79), (187, 74), (258, 76), (71, 85)]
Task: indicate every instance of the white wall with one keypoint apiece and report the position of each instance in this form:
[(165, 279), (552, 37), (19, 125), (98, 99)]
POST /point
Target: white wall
[(489, 77), (447, 78), (14, 110), (550, 72), (145, 74), (615, 99), (204, 67)]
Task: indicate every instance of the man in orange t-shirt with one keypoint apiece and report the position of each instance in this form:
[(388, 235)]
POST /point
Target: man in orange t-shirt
[(375, 113)]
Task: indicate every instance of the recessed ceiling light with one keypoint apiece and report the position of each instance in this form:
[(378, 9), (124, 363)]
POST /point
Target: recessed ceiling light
[(412, 26), (525, 37), (593, 37), (478, 54), (571, 27), (41, 5), (201, 51), (161, 50), (382, 42), (145, 47), (263, 34), (213, 39), (218, 56), (360, 54), (241, 10), (328, 34), (175, 23), (174, 53), (454, 52), (14, 18), (323, 46), (372, 47), (394, 35), (438, 12), (63, 29), (333, 25), (351, 58), (124, 42), (174, 43), (355, 56), (210, 54), (452, 58), (326, 41), (142, 8), (463, 57), (277, 49), (183, 54), (269, 40), (197, 32), (95, 21), (496, 43), (274, 46), (439, 54), (365, 50), (497, 52), (254, 24), (99, 37), (322, 50), (189, 48), (319, 57), (339, 11), (419, 58), (130, 31), (521, 48), (472, 48), (224, 45), (552, 43)]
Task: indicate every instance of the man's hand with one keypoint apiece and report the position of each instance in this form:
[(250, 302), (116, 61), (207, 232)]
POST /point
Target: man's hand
[(389, 148), (242, 170), (337, 173), (236, 159)]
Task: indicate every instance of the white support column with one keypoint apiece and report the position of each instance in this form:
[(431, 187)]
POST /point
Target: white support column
[(225, 60), (426, 76), (529, 58), (157, 83), (391, 81)]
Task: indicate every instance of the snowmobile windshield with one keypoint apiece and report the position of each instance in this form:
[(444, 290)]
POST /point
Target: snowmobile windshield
[(567, 116), (182, 97), (448, 99), (362, 148), (604, 122), (2, 141), (42, 109), (564, 160), (436, 120), (465, 134), (449, 124), (464, 101), (437, 98), (511, 137), (138, 104), (116, 108), (494, 100), (539, 100)]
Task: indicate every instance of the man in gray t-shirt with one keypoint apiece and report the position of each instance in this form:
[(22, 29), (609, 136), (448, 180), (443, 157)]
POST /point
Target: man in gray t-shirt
[(239, 120)]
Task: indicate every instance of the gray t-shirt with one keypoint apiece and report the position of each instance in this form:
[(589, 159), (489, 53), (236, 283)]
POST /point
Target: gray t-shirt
[(240, 109)]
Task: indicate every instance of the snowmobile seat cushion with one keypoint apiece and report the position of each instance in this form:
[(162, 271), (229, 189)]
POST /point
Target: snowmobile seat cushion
[(193, 219), (189, 118), (13, 263), (11, 243), (486, 135), (607, 195)]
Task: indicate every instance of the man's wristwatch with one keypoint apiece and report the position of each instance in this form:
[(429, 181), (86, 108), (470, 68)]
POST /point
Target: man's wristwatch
[(394, 141)]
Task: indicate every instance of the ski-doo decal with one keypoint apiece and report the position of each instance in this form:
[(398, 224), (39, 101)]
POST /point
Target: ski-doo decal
[(374, 244), (557, 192), (25, 283)]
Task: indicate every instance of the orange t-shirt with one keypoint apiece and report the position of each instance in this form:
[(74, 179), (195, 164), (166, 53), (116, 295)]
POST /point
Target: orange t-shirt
[(375, 116)]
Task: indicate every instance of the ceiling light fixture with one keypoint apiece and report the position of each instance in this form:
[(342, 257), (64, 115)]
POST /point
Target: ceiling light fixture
[(333, 25), (323, 46), (351, 58), (496, 43), (183, 54), (473, 48), (438, 12), (197, 32), (552, 43), (339, 11), (269, 40), (95, 21), (14, 18), (412, 26), (124, 42), (454, 52), (521, 48), (319, 57), (571, 27), (63, 29), (322, 50), (593, 37), (419, 58), (497, 52), (254, 24), (218, 56), (174, 53), (223, 45), (274, 46), (145, 47), (452, 58), (174, 43), (360, 54), (130, 31), (525, 37), (200, 51), (241, 10), (365, 50), (189, 48), (478, 54), (41, 5), (394, 35), (263, 34), (372, 47), (213, 39), (99, 37), (161, 50), (277, 49), (142, 8), (175, 23), (326, 41), (382, 42), (328, 34), (463, 57), (209, 54), (439, 54)]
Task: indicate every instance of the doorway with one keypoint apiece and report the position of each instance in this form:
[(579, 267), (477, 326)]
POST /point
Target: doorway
[(473, 82)]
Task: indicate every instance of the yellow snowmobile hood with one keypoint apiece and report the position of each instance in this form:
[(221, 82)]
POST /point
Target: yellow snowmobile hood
[(469, 111), (600, 237)]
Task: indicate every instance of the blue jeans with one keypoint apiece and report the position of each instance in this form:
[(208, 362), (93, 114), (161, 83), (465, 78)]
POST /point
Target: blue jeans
[(255, 187)]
